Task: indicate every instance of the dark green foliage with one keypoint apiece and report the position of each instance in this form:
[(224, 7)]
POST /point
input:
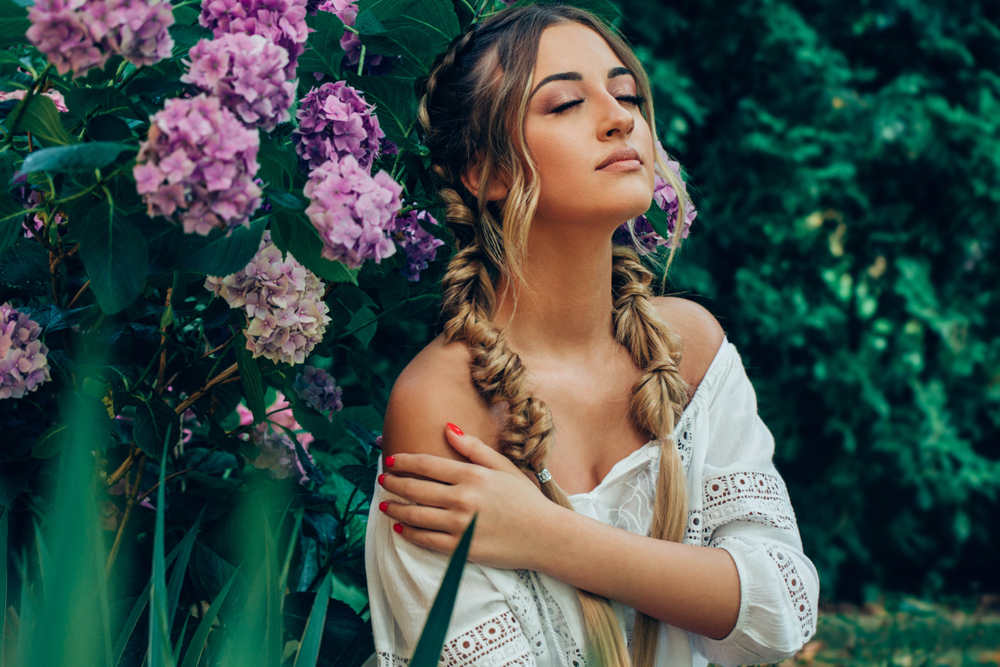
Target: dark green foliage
[(845, 164)]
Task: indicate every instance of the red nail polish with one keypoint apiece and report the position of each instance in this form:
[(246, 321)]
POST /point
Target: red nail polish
[(389, 460), (398, 527), (381, 480), (454, 429), (383, 506)]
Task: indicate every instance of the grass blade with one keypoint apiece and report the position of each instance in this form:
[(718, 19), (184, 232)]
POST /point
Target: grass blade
[(3, 580), (312, 636), (200, 639), (432, 638), (177, 575), (160, 651), (133, 618)]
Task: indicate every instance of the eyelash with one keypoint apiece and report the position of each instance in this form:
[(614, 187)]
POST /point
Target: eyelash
[(637, 100)]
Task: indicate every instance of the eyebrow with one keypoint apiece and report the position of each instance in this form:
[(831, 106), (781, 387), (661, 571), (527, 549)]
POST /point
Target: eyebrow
[(576, 76)]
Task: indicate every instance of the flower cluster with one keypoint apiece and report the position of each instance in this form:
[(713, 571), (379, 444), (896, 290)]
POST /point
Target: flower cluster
[(282, 22), (336, 122), (80, 34), (418, 245), (37, 222), (283, 301), (642, 235), (23, 364), (353, 212), (53, 94), (277, 451), (248, 74), (319, 389), (197, 166)]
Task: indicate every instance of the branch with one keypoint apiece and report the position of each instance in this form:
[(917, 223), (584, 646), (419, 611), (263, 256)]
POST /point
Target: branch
[(132, 502), (207, 387), (134, 455)]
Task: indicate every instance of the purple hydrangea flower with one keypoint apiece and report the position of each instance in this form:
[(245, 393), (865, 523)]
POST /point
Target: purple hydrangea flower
[(353, 211), (319, 389), (283, 302), (23, 364), (37, 222), (417, 244), (347, 12), (282, 22), (77, 35), (248, 73), (641, 234), (197, 166), (334, 122)]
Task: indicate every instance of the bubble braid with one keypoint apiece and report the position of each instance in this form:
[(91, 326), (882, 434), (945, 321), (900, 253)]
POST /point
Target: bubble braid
[(472, 104)]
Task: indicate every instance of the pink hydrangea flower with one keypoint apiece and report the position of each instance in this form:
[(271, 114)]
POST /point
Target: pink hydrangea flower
[(282, 22), (277, 452), (283, 301), (53, 94), (347, 12), (77, 35), (23, 361), (37, 222), (197, 166), (353, 212), (248, 73), (418, 245), (335, 121)]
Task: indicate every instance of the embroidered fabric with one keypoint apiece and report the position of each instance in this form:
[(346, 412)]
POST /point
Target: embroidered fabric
[(796, 588), (543, 621), (740, 496)]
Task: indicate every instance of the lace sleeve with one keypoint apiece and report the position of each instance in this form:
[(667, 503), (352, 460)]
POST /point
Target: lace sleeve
[(744, 508), (403, 580)]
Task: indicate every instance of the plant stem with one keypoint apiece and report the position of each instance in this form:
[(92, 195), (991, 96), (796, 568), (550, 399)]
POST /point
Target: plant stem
[(134, 454), (128, 513), (15, 117), (207, 387), (81, 291), (163, 355)]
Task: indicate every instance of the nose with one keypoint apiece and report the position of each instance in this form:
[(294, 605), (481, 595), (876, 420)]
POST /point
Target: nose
[(616, 119)]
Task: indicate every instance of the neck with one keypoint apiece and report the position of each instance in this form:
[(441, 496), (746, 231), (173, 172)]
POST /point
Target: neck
[(564, 302)]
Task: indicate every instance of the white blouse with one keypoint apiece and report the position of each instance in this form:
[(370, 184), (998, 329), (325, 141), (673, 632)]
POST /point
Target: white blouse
[(737, 501)]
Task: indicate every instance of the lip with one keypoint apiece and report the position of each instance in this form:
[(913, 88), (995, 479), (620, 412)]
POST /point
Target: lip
[(619, 155)]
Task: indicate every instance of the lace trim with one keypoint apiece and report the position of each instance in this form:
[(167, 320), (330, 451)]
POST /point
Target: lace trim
[(741, 496), (684, 435), (497, 642), (386, 659), (796, 589)]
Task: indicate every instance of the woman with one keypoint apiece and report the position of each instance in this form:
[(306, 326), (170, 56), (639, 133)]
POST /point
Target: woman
[(629, 512)]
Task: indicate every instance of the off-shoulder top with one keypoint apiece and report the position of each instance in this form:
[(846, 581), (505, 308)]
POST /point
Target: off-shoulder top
[(737, 501)]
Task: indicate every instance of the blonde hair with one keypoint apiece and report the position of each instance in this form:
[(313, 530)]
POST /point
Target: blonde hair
[(472, 102)]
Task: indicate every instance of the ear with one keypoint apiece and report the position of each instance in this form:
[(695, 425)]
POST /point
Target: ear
[(497, 189)]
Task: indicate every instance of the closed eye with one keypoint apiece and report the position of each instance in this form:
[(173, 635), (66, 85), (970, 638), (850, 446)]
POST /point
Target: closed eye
[(637, 100)]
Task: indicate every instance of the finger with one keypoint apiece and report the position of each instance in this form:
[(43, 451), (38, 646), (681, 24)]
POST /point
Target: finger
[(430, 539), (426, 518), (477, 451), (428, 466), (419, 491)]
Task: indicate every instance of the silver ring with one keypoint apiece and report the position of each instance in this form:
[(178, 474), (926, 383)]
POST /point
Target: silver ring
[(543, 476)]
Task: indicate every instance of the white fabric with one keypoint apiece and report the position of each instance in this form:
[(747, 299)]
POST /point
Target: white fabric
[(737, 500)]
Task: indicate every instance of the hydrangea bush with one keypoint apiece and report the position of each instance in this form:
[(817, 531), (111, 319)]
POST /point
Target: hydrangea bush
[(217, 248)]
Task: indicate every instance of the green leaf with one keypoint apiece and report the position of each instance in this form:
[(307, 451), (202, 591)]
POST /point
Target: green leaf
[(284, 199), (416, 29), (50, 442), (308, 652), (108, 128), (41, 118), (363, 325), (225, 255), (25, 265), (154, 422), (137, 609), (394, 100), (78, 157), (253, 385), (278, 163), (324, 52), (115, 255), (160, 652), (177, 574), (367, 24), (431, 642), (292, 232), (14, 23)]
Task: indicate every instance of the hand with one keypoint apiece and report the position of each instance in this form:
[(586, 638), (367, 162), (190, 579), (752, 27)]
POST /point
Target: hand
[(508, 503)]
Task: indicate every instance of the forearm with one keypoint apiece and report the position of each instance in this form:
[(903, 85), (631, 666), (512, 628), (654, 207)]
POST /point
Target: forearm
[(691, 587)]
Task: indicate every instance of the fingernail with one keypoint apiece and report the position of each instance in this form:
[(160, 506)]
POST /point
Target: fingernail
[(454, 429), (381, 480), (398, 527), (389, 460), (384, 506)]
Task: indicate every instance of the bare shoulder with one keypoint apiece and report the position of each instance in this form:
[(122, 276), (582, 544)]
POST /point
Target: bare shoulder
[(701, 332), (434, 389)]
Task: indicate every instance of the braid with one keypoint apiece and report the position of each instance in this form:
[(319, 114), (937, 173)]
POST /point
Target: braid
[(657, 400)]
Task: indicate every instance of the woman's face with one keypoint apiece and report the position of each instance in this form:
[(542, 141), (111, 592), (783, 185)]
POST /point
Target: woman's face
[(584, 111)]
